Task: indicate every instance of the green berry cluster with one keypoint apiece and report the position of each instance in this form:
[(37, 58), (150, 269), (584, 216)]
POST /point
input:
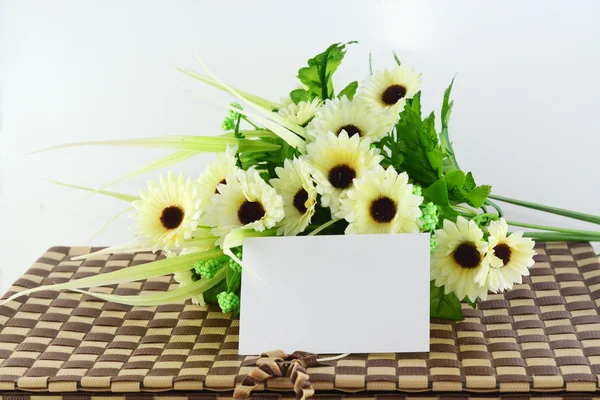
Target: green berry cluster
[(432, 244), (430, 217), (231, 118), (229, 302), (417, 190), (208, 268), (233, 264)]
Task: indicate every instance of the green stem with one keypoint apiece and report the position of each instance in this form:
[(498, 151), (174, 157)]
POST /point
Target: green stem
[(496, 206), (553, 229), (232, 280), (250, 122), (553, 210), (561, 237)]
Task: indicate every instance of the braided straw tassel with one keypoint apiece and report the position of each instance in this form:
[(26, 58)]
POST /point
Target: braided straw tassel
[(279, 364)]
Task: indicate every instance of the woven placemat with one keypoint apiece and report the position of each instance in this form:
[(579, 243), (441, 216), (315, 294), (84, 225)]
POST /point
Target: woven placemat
[(542, 336)]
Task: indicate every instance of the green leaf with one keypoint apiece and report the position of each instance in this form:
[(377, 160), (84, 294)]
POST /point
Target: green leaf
[(479, 195), (437, 193), (471, 303), (299, 95), (447, 105), (455, 179), (417, 151), (318, 75), (469, 182), (349, 91), (447, 212), (445, 306), (461, 188)]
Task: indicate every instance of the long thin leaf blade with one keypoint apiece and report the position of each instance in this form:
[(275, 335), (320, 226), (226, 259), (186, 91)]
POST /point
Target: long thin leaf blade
[(122, 248), (208, 80), (297, 129), (290, 137), (169, 297), (109, 222), (129, 274), (115, 195), (205, 144), (171, 159)]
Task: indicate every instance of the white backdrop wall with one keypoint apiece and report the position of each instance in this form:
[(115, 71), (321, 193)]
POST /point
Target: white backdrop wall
[(525, 119)]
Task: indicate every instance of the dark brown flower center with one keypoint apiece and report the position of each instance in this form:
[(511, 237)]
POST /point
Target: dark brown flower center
[(393, 94), (341, 176), (223, 182), (467, 256), (351, 130), (503, 252), (300, 199), (383, 209), (250, 211), (171, 217)]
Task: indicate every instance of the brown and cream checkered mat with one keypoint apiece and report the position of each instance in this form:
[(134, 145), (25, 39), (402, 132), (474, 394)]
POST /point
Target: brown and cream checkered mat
[(542, 336)]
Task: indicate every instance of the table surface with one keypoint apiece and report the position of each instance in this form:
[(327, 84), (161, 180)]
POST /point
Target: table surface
[(544, 335)]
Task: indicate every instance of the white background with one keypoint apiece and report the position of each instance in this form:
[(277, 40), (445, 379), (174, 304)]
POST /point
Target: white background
[(525, 119)]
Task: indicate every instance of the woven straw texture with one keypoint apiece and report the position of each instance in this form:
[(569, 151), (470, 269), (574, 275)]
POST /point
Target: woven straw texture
[(544, 335), (286, 396)]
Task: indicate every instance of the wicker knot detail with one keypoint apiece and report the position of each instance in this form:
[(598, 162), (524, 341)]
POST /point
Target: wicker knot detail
[(279, 364)]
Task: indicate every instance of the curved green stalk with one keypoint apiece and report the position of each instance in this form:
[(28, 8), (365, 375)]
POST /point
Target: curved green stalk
[(553, 229), (496, 206), (553, 210), (561, 237)]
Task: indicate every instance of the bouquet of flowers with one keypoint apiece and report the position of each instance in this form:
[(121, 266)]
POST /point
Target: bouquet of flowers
[(363, 160)]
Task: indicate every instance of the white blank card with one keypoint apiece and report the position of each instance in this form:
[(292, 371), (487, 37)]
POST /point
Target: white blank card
[(336, 294)]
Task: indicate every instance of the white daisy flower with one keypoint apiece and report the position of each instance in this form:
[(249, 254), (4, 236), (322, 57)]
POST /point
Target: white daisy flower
[(246, 201), (381, 201), (167, 213), (459, 258), (300, 113), (354, 117), (336, 161), (510, 257), (296, 187), (216, 174), (387, 90)]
